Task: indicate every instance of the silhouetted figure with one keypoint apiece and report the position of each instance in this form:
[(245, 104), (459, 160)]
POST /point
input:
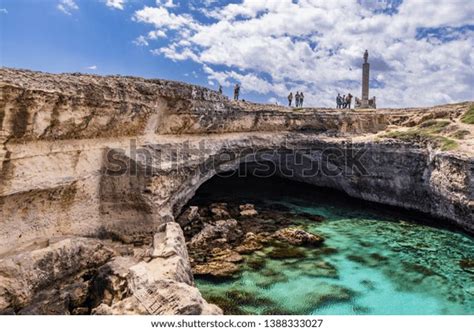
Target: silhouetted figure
[(290, 99), (338, 101), (220, 89), (301, 99), (344, 101), (297, 99), (348, 101), (236, 92)]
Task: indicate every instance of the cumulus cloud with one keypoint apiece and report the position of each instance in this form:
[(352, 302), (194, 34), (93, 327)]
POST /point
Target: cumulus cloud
[(67, 6), (117, 4), (141, 41), (94, 67), (166, 3), (417, 56)]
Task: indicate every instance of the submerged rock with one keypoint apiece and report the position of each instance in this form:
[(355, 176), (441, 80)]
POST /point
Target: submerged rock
[(227, 305), (467, 265), (298, 237), (318, 269), (315, 218), (286, 252), (256, 263), (226, 255), (251, 243), (270, 278), (218, 269), (325, 295)]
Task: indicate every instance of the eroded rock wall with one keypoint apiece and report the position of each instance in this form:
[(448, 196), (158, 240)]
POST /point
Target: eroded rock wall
[(59, 131), (114, 158)]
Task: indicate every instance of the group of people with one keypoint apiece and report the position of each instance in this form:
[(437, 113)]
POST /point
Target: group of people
[(344, 101), (299, 98), (236, 91)]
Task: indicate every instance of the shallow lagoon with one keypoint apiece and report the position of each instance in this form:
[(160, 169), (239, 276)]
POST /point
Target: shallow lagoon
[(372, 262)]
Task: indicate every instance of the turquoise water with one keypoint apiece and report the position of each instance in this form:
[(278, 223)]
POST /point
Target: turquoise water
[(370, 264)]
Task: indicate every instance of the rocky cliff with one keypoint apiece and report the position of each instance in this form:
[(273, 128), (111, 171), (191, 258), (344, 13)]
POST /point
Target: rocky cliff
[(114, 158)]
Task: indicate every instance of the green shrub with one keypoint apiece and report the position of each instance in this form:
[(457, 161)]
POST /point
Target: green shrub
[(459, 134), (434, 126), (423, 136), (468, 117)]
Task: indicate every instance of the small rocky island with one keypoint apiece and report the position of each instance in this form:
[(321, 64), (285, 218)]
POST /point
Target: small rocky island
[(97, 177)]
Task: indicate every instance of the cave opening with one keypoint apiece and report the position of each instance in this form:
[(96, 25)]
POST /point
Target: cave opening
[(270, 245)]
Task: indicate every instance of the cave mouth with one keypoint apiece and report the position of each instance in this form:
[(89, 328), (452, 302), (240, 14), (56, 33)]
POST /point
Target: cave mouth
[(249, 255)]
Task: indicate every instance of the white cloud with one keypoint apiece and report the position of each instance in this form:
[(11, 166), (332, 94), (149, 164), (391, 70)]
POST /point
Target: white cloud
[(160, 17), (156, 34), (94, 67), (67, 6), (141, 41), (117, 4), (316, 46), (3, 11), (166, 3)]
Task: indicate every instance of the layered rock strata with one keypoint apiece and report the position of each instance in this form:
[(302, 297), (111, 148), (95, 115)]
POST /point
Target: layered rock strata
[(108, 160)]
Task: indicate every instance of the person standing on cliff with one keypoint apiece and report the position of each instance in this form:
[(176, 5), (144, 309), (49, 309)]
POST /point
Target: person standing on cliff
[(349, 100), (236, 91), (290, 99), (343, 100), (297, 99), (338, 101), (301, 99), (220, 89)]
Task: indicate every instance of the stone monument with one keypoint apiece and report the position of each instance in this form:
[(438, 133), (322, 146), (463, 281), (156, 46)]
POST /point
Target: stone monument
[(365, 102)]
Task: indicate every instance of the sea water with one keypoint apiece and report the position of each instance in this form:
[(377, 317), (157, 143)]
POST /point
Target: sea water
[(370, 263)]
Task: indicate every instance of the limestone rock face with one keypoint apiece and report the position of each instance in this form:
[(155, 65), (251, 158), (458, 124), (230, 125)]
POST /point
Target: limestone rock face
[(169, 241), (190, 215), (84, 156), (165, 284), (28, 273)]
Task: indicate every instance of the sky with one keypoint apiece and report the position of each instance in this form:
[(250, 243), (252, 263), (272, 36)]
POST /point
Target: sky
[(421, 51)]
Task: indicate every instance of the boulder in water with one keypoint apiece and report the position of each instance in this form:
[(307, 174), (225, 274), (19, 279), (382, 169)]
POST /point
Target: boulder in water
[(218, 269), (298, 237), (247, 210)]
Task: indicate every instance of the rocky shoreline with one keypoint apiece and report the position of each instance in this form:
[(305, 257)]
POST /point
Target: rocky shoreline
[(220, 234), (89, 276)]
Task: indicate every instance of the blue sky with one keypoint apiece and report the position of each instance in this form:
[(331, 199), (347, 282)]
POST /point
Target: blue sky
[(421, 52)]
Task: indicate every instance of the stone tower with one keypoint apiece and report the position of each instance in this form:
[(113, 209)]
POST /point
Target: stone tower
[(365, 102)]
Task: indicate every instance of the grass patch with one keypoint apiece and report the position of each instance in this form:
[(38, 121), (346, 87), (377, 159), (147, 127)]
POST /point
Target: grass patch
[(459, 134), (424, 136), (428, 132), (446, 144), (468, 117), (434, 126)]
